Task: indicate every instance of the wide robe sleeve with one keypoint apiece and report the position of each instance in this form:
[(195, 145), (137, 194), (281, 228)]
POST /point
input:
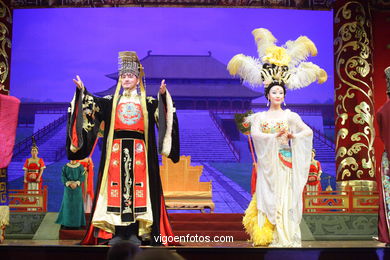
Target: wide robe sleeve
[(67, 178), (379, 118), (42, 165), (9, 111), (266, 147), (81, 177), (301, 149), (64, 176), (168, 128), (85, 114)]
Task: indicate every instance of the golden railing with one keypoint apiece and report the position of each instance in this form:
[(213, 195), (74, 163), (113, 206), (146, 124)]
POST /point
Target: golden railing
[(340, 201), (28, 200)]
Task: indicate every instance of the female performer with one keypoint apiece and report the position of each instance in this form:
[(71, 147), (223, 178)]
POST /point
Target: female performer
[(33, 168), (315, 172), (71, 215), (282, 141)]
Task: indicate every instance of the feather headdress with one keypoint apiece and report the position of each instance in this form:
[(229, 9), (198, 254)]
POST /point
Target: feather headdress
[(285, 65)]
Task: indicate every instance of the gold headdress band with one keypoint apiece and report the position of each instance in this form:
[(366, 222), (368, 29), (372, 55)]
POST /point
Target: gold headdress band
[(278, 65), (128, 62)]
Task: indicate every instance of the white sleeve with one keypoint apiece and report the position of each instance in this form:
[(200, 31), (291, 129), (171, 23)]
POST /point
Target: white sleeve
[(266, 148), (301, 147)]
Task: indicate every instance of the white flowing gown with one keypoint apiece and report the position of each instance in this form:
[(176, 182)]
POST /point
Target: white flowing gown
[(282, 172)]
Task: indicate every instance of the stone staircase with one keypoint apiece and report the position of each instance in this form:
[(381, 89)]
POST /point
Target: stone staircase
[(325, 149), (200, 138), (15, 170), (323, 152), (48, 144), (54, 143)]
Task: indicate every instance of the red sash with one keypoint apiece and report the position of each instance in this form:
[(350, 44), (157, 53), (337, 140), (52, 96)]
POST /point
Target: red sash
[(127, 181)]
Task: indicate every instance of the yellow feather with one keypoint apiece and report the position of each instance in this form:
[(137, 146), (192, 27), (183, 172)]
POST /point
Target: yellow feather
[(235, 64), (309, 45), (260, 236), (277, 55), (263, 34), (264, 39), (322, 76)]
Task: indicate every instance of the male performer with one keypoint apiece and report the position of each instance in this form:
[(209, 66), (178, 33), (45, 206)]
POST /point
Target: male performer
[(383, 118), (129, 203)]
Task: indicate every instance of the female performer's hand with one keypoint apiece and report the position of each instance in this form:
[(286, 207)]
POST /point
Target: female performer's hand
[(163, 87), (78, 83), (282, 132), (284, 136), (290, 135)]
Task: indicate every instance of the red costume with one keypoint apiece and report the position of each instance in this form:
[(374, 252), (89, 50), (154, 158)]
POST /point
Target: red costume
[(314, 180), (87, 187), (383, 118), (129, 200), (33, 170)]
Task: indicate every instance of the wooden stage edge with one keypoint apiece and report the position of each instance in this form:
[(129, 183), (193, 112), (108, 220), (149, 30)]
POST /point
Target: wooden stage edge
[(68, 249)]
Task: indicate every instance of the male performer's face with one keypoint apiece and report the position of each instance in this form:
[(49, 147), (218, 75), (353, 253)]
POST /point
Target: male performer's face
[(129, 81)]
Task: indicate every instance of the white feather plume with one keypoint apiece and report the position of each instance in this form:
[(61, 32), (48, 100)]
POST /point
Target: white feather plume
[(294, 53), (264, 39), (248, 68), (305, 74), (299, 50)]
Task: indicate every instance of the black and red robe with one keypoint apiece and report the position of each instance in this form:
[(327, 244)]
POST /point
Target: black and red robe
[(86, 115)]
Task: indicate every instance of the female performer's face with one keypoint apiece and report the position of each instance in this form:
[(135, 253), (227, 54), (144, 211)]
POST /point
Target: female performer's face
[(129, 81), (276, 95), (34, 152)]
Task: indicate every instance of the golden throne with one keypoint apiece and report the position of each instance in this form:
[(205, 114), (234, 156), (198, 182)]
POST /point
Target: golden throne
[(181, 185)]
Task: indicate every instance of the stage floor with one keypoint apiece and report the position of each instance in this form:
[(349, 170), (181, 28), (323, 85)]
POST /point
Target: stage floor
[(332, 250), (237, 244)]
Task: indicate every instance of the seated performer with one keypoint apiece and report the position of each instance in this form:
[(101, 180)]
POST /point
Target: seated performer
[(128, 204), (282, 141), (71, 215)]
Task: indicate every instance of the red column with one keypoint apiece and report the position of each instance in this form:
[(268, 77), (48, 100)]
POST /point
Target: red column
[(354, 100), (5, 45), (5, 61)]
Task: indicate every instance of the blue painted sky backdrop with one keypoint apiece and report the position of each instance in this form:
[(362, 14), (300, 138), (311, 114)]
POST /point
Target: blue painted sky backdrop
[(52, 46)]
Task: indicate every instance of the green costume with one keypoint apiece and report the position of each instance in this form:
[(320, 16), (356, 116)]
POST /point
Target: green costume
[(72, 208)]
